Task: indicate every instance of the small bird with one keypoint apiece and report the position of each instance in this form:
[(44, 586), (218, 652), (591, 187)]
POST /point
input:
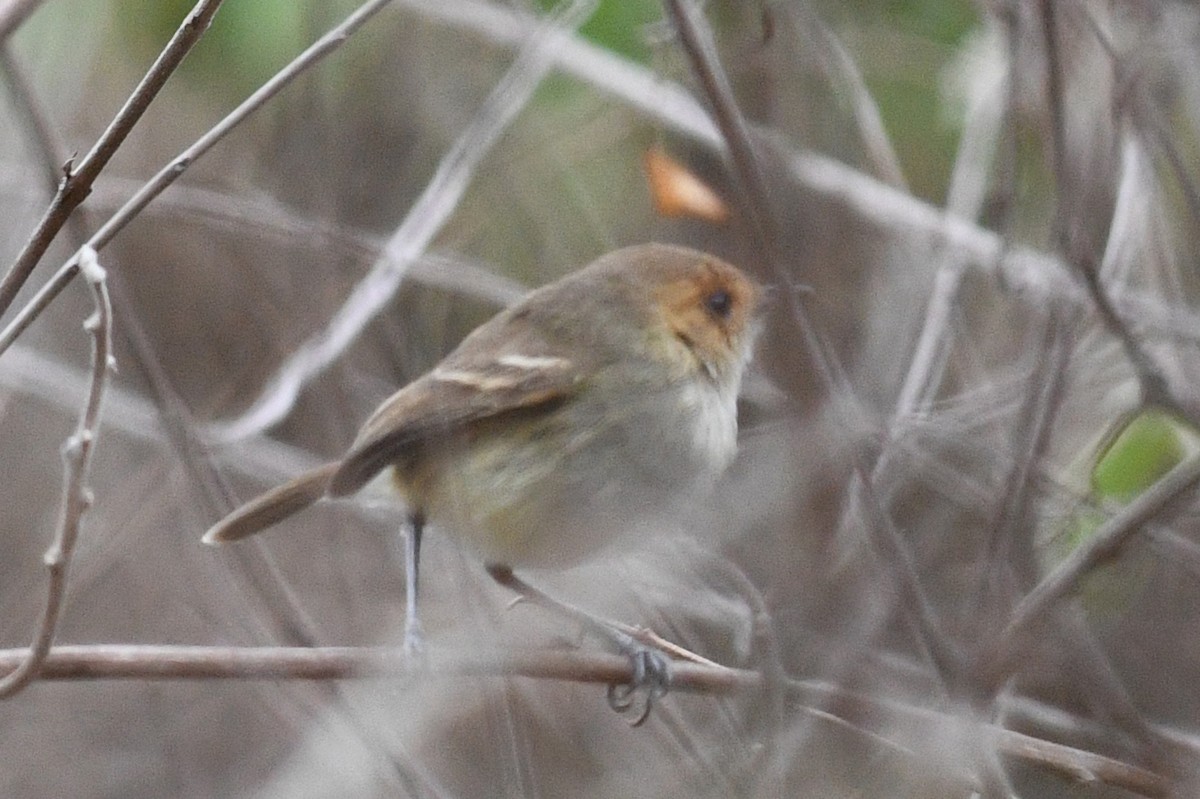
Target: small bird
[(597, 405)]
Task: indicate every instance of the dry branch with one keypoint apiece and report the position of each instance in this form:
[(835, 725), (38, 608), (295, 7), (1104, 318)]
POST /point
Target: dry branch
[(427, 216), (13, 13), (77, 180), (1103, 544), (124, 662), (168, 174), (77, 497)]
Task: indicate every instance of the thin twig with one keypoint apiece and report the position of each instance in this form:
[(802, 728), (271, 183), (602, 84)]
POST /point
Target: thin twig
[(284, 226), (1032, 713), (896, 557), (1057, 108), (846, 78), (290, 619), (606, 627), (1155, 388), (1105, 543), (1083, 766), (649, 637), (1079, 764), (29, 112), (177, 416), (77, 180), (766, 654), (1038, 275), (1035, 422), (892, 550), (127, 662), (171, 172), (1068, 231), (1026, 272), (1129, 209), (599, 67), (964, 198), (1131, 93), (427, 216), (77, 498), (13, 13), (698, 44), (928, 362)]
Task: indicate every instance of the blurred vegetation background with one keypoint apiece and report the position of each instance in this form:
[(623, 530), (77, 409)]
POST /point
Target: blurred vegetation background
[(939, 238)]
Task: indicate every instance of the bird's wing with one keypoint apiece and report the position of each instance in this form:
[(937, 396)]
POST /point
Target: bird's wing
[(506, 365)]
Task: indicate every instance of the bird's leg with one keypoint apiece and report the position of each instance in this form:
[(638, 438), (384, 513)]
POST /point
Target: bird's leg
[(651, 668), (414, 525)]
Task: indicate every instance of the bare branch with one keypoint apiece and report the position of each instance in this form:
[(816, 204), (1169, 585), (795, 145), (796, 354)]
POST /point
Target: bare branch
[(168, 174), (697, 42), (284, 225), (126, 662), (1132, 93), (77, 457), (1080, 765), (1043, 398), (845, 78), (1024, 271), (427, 216), (891, 550), (1067, 230), (1105, 543), (1039, 275), (172, 408), (77, 180), (597, 66), (968, 181), (30, 113), (13, 13)]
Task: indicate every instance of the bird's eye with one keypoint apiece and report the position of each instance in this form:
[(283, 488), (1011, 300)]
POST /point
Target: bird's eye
[(719, 302)]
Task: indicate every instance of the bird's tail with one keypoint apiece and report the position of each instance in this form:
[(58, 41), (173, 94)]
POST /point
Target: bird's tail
[(274, 506)]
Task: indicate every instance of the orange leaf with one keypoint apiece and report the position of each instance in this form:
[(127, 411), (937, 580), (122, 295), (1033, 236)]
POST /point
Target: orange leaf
[(677, 192)]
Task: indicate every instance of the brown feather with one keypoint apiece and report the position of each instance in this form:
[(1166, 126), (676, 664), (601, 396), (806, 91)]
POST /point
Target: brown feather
[(530, 357), (273, 506), (472, 384)]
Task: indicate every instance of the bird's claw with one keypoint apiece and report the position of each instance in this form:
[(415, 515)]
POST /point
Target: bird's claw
[(651, 673)]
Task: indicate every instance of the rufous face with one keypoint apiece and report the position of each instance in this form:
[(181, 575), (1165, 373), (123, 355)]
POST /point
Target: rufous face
[(711, 311)]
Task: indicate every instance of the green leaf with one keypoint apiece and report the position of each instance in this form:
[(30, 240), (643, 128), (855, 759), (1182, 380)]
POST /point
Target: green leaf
[(1150, 446), (618, 25)]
